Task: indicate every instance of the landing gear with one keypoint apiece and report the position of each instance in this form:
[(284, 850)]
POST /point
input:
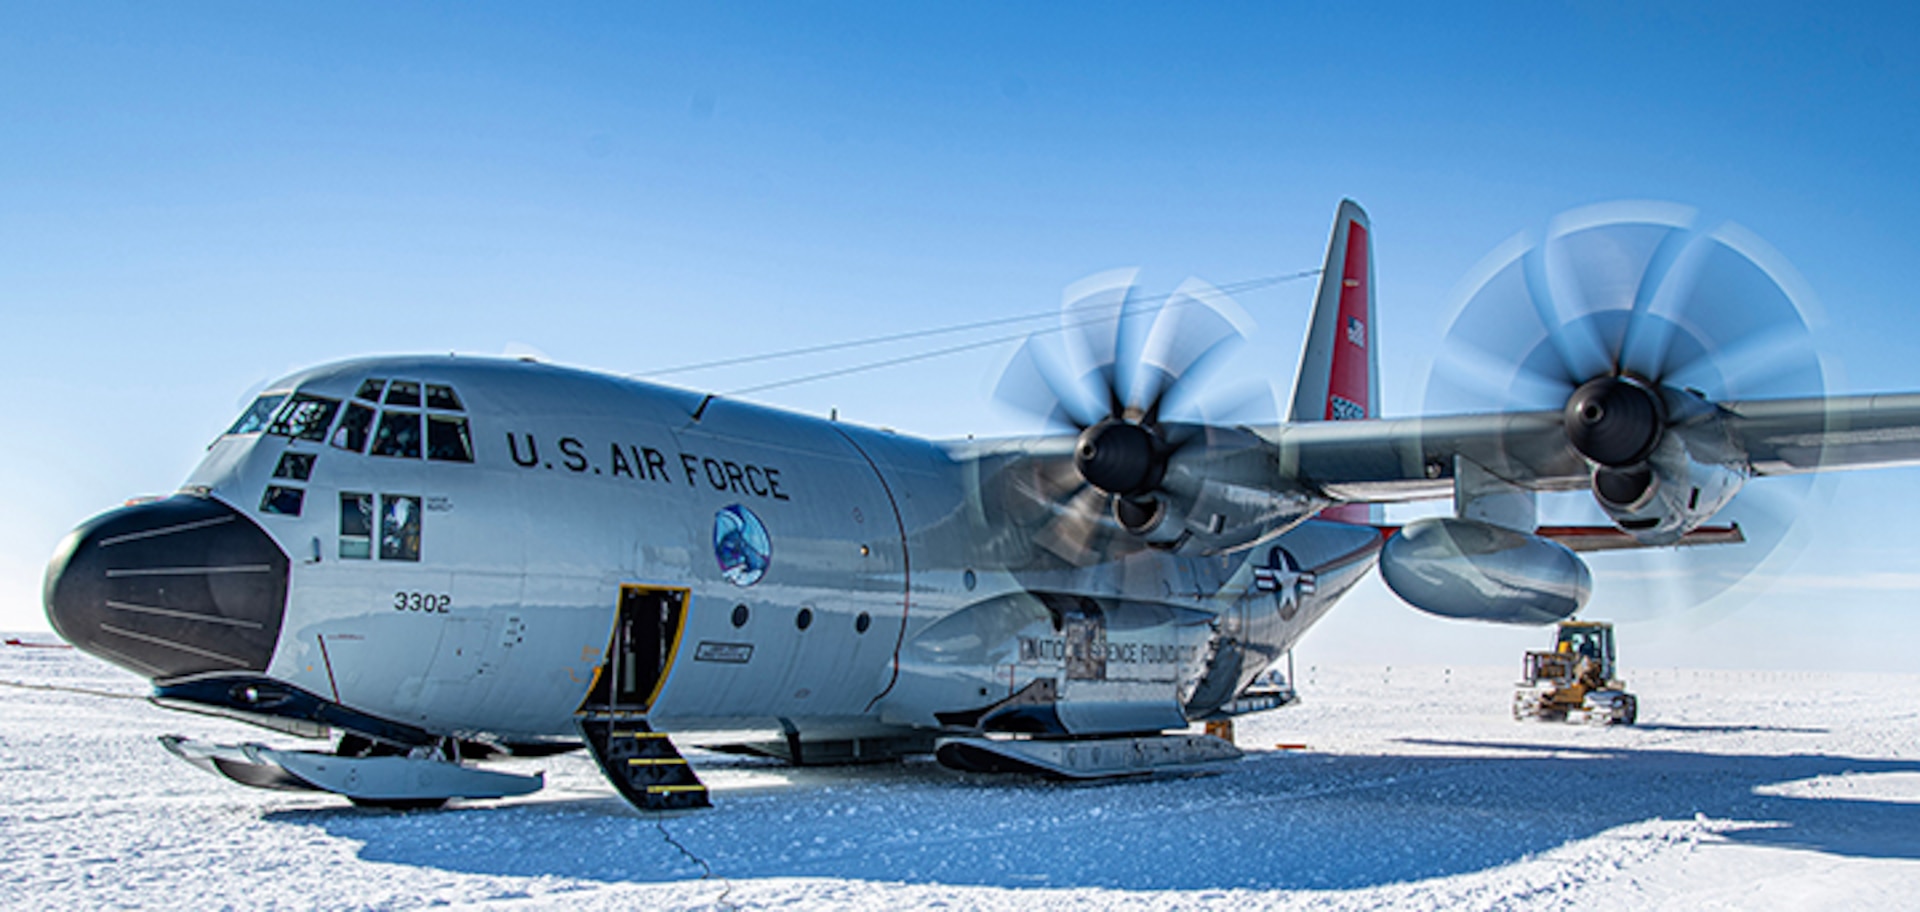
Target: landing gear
[(1087, 758), (367, 773)]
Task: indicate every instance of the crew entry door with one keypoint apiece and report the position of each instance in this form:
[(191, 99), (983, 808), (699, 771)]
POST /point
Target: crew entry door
[(646, 635)]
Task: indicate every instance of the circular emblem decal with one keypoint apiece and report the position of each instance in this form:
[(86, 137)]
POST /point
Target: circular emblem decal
[(741, 545), (1283, 577)]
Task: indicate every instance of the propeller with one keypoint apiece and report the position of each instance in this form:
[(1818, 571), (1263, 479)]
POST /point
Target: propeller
[(1634, 320), (1123, 376)]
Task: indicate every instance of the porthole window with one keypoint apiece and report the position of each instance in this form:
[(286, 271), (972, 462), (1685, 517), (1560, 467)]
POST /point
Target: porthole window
[(968, 580), (861, 623), (740, 614), (804, 619)]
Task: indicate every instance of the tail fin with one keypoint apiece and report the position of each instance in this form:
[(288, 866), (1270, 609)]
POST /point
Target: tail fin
[(1339, 374)]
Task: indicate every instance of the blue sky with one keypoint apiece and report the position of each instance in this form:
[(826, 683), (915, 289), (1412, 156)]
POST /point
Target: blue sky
[(197, 198)]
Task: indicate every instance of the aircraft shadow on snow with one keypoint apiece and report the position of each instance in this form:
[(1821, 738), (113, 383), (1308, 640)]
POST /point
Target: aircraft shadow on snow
[(1274, 822)]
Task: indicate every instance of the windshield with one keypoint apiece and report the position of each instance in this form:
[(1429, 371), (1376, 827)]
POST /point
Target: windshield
[(254, 419), (305, 417)]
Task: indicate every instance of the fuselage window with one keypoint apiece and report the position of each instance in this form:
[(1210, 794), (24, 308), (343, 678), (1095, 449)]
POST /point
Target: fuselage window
[(255, 419), (398, 435), (404, 392), (304, 417), (399, 527), (284, 501), (352, 432), (297, 466), (442, 397), (356, 525), (447, 439), (370, 390)]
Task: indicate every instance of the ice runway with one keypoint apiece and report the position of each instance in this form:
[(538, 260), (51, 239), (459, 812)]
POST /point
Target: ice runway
[(1739, 790)]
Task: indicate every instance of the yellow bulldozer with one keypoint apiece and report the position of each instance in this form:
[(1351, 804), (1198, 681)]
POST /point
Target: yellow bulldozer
[(1576, 680)]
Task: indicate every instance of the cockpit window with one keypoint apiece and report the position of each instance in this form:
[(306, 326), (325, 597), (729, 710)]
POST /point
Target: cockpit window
[(304, 417), (282, 500), (404, 392), (398, 435), (442, 397), (356, 526), (370, 390), (447, 439), (399, 527), (352, 432), (297, 466), (255, 419)]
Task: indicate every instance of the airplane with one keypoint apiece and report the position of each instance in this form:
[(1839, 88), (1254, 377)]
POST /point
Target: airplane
[(430, 562)]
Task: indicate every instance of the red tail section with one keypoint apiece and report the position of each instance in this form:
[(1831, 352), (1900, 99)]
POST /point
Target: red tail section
[(1339, 373), (1350, 381)]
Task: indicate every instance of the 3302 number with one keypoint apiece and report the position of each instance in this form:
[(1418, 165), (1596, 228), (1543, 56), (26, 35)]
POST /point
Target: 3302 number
[(423, 602)]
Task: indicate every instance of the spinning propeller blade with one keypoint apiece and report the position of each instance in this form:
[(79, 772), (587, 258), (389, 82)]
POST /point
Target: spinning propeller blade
[(1118, 373), (1617, 309)]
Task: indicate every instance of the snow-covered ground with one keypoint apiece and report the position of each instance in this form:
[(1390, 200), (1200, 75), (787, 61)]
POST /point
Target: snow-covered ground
[(1415, 789)]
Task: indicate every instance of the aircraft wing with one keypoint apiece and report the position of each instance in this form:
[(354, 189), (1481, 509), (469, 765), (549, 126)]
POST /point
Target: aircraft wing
[(1403, 459)]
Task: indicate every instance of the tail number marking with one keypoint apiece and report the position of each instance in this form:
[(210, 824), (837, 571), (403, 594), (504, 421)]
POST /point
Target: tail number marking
[(422, 602)]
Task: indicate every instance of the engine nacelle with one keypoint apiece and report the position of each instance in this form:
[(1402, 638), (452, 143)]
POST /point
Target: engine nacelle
[(1671, 493), (1460, 568)]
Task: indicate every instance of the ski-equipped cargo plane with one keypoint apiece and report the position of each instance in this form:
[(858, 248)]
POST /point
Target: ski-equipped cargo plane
[(438, 560)]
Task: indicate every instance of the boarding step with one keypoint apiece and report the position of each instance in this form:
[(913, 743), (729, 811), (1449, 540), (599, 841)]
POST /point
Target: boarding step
[(643, 765)]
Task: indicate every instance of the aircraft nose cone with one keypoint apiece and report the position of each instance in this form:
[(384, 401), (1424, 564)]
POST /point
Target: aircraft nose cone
[(170, 588)]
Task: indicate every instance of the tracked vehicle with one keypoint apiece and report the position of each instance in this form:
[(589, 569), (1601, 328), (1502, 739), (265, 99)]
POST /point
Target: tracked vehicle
[(1576, 680)]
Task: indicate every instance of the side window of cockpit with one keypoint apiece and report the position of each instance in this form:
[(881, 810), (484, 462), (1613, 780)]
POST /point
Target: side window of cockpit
[(356, 526), (304, 417), (255, 419), (398, 434), (295, 466), (282, 500), (353, 429), (399, 527), (447, 439)]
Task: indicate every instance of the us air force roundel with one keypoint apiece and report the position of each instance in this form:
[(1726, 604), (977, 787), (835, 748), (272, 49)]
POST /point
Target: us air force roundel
[(741, 545), (1282, 576)]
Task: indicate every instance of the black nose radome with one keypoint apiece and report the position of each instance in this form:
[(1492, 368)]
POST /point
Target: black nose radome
[(170, 588)]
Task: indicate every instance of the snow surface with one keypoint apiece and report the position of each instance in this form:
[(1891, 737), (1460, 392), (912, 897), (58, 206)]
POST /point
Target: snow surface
[(1415, 789)]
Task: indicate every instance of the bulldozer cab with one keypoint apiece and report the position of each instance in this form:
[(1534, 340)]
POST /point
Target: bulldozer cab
[(1591, 639)]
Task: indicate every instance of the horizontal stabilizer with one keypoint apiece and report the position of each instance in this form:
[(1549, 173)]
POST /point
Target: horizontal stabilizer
[(1613, 538)]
